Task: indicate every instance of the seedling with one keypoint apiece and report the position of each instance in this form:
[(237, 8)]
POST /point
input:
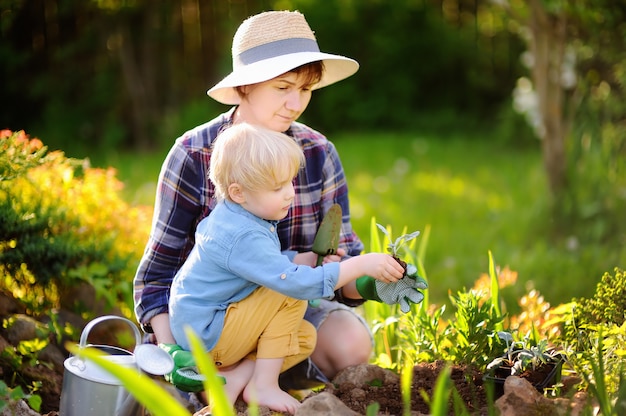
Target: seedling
[(394, 247), (521, 356)]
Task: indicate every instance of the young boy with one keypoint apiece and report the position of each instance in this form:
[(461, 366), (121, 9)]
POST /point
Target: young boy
[(237, 291)]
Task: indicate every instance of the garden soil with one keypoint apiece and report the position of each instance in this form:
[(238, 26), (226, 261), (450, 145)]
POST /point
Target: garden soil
[(356, 396)]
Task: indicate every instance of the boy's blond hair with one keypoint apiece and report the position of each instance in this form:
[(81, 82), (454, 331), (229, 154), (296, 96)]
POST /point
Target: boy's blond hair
[(254, 157)]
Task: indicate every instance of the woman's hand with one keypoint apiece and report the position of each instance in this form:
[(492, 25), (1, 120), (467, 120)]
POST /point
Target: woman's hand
[(310, 259)]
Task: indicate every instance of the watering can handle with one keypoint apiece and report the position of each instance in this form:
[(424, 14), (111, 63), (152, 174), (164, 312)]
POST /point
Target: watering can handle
[(85, 334)]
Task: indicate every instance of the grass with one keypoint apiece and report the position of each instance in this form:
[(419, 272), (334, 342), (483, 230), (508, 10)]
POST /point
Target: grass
[(475, 195)]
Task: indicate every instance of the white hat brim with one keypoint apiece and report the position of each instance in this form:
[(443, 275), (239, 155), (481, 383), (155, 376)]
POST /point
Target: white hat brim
[(336, 68)]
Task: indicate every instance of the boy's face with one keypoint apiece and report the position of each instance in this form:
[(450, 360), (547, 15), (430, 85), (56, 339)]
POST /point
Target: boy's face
[(276, 103), (270, 204)]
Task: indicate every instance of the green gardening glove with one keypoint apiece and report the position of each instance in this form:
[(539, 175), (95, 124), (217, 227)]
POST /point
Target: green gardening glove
[(402, 292), (185, 375)]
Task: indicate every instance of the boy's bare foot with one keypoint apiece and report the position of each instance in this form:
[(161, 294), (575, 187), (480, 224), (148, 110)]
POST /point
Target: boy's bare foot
[(272, 397), (205, 411), (237, 377)]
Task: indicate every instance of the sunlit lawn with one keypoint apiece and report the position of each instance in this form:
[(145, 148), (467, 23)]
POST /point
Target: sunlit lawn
[(475, 196)]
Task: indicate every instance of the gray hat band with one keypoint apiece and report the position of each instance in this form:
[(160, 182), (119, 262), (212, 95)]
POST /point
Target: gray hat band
[(274, 49)]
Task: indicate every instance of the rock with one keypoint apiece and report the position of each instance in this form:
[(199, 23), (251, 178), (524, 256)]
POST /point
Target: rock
[(22, 328), (570, 382), (577, 406), (19, 408), (53, 354), (324, 404), (362, 374), (83, 296), (522, 399), (9, 305), (3, 344)]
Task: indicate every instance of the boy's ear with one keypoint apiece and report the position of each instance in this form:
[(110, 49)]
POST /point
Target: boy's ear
[(235, 191)]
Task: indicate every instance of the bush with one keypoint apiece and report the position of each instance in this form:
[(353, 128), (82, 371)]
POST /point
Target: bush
[(607, 305), (64, 223)]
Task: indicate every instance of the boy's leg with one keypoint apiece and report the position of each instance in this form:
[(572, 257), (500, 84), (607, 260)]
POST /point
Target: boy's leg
[(264, 315), (286, 340), (263, 387), (237, 376), (288, 335), (266, 323), (332, 329)]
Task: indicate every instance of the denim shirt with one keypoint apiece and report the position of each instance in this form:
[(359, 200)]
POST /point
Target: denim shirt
[(235, 253)]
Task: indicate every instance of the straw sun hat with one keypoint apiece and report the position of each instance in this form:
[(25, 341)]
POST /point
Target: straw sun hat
[(272, 43)]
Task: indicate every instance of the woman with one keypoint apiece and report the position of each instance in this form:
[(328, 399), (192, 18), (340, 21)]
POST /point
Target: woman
[(276, 66)]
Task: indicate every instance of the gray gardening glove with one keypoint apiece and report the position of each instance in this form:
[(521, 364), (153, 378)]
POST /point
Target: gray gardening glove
[(403, 292)]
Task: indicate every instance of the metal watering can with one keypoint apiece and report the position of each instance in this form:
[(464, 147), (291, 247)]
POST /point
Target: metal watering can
[(90, 390)]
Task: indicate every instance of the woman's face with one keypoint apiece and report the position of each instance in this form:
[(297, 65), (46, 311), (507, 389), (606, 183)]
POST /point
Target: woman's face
[(276, 103)]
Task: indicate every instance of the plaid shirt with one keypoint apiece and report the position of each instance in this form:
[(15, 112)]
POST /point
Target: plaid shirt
[(185, 196)]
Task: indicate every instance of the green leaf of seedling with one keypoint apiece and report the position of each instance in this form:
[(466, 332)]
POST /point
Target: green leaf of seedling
[(384, 230), (17, 393), (375, 244), (407, 378), (376, 382), (213, 382), (403, 239), (372, 409), (34, 401), (441, 393), (495, 291), (147, 392)]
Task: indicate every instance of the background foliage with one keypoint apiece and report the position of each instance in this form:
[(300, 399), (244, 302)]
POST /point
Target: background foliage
[(437, 132), (79, 229), (100, 78), (111, 74)]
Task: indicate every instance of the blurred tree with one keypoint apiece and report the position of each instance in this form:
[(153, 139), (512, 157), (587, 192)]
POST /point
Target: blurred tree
[(102, 74), (421, 62), (110, 72), (576, 53)]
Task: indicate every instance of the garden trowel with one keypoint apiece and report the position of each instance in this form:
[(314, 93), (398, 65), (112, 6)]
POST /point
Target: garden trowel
[(327, 238)]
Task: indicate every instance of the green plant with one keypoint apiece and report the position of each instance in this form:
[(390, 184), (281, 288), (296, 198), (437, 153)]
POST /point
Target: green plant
[(79, 230), (600, 380), (9, 396), (17, 358), (608, 303), (441, 393), (382, 317), (524, 355), (213, 383), (372, 409), (601, 362), (470, 337), (467, 337), (394, 246), (405, 387)]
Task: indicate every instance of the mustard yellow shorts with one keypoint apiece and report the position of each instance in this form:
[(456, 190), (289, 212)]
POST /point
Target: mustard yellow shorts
[(266, 324)]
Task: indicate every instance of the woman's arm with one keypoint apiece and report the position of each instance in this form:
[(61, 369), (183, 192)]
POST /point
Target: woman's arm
[(178, 207)]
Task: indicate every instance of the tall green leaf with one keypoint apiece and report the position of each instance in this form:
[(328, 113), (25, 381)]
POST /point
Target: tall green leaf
[(495, 291), (213, 383)]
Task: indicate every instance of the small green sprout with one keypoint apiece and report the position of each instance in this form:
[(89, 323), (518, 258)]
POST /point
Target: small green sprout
[(394, 247)]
